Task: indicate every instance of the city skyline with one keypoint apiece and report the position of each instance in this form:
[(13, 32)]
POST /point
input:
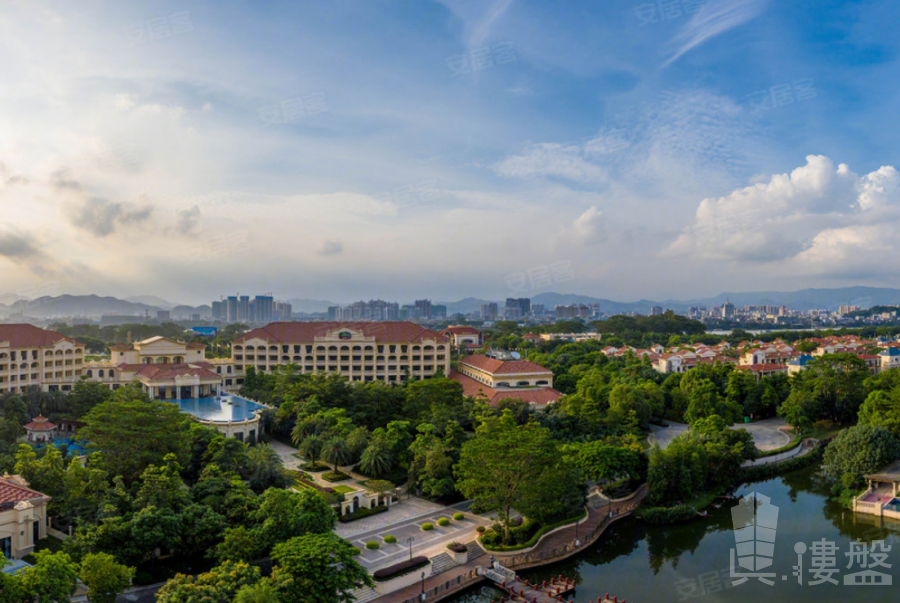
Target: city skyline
[(347, 149)]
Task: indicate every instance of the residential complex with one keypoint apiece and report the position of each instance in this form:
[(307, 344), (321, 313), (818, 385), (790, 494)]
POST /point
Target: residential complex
[(260, 309), (495, 380), (31, 356)]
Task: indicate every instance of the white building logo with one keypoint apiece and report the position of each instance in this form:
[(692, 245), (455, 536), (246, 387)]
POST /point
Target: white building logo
[(755, 521)]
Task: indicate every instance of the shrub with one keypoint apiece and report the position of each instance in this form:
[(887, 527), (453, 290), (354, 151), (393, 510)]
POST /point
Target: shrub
[(361, 512), (390, 539), (372, 545), (400, 569), (314, 468), (332, 476), (427, 527), (480, 529), (458, 517), (355, 551), (494, 540), (443, 522), (456, 547)]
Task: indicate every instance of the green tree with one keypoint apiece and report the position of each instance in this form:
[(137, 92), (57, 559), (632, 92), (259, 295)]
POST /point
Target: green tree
[(265, 468), (857, 451), (135, 432), (84, 396), (317, 568), (336, 452), (219, 585), (52, 579), (311, 447), (261, 592), (162, 487), (882, 409), (377, 459), (239, 544), (508, 465), (283, 514), (104, 577)]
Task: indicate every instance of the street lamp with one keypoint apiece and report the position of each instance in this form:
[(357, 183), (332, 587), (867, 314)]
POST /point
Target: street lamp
[(422, 596), (409, 542)]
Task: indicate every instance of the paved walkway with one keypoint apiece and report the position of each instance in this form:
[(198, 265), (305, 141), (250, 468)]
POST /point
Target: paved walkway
[(548, 543), (768, 434)]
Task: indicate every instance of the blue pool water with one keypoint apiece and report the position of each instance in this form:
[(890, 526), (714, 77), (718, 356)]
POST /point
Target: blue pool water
[(894, 505), (229, 408), (76, 447)]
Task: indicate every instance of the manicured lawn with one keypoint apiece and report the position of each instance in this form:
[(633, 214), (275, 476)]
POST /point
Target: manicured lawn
[(335, 477), (343, 489)]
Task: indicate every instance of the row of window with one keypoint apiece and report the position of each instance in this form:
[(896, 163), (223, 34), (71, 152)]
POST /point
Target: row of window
[(391, 347), (347, 368), (335, 358), (23, 354)]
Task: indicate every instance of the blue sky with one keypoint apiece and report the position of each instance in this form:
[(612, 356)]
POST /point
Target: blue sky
[(375, 148)]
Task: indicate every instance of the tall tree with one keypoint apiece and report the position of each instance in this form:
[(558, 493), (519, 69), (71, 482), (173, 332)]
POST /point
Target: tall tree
[(104, 577), (135, 432), (317, 568)]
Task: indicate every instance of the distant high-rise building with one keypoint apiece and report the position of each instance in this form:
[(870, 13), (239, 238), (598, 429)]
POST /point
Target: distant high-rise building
[(517, 308), (847, 309), (439, 311), (656, 310), (728, 310), (218, 310), (231, 308), (264, 308), (282, 311), (243, 312), (162, 315), (489, 311), (423, 308), (334, 313)]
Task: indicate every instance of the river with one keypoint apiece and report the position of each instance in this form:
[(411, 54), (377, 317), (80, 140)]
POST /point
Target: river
[(690, 561)]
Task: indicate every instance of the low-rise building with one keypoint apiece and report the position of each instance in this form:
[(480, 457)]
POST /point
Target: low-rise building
[(23, 517), (499, 373), (462, 337)]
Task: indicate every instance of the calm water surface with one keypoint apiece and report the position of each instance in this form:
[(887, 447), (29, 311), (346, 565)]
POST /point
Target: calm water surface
[(690, 562)]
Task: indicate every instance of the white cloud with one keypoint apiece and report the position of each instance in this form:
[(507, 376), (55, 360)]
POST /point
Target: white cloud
[(714, 18), (817, 215), (551, 159)]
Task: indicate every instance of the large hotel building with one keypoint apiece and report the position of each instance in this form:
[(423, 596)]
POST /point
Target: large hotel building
[(393, 352), (31, 356)]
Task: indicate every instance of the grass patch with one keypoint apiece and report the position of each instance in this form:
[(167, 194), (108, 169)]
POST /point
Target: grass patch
[(331, 476), (343, 489), (315, 468), (537, 536)]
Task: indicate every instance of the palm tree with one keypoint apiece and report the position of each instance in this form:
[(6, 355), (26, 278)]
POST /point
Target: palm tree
[(377, 459), (265, 467), (336, 452), (311, 448)]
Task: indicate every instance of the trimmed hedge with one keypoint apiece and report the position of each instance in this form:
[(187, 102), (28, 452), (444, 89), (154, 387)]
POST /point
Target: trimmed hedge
[(664, 515), (355, 551), (400, 569), (456, 547), (390, 539), (427, 527), (458, 517), (372, 545), (537, 536), (362, 512), (443, 522), (480, 529), (315, 468)]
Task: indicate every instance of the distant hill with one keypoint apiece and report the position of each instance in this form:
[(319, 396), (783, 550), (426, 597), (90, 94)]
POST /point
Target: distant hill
[(92, 306), (151, 300)]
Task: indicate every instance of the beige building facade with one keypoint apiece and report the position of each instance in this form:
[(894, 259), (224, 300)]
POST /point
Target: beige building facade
[(35, 357), (23, 517), (393, 352)]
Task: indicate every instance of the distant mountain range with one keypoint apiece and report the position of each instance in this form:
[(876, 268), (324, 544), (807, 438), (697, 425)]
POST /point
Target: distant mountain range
[(94, 306)]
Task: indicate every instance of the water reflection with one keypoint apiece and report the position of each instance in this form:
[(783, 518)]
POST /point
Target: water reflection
[(690, 561)]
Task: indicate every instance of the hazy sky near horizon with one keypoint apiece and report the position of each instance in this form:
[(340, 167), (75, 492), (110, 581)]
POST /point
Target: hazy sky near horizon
[(490, 148)]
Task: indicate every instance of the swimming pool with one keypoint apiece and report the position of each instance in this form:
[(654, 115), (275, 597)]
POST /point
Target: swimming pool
[(228, 408), (894, 505), (76, 447)]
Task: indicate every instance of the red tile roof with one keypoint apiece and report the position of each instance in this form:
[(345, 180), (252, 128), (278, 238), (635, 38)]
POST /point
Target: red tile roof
[(460, 331), (539, 395), (30, 336), (11, 492), (500, 367), (165, 372), (40, 423), (290, 332)]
